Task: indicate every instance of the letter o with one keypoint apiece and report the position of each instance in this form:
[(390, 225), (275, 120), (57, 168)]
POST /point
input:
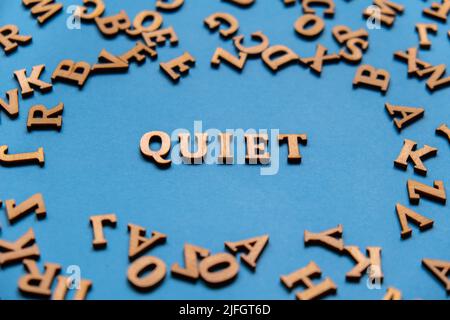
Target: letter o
[(316, 25), (220, 276), (157, 273)]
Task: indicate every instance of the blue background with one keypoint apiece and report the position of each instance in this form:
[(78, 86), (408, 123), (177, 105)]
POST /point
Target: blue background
[(93, 166)]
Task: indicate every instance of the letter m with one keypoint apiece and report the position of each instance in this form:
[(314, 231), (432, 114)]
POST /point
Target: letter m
[(388, 11), (43, 8)]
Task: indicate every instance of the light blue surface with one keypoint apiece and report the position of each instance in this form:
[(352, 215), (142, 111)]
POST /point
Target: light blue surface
[(347, 176)]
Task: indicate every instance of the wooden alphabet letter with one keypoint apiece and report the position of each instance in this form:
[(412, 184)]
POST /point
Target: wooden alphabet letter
[(306, 4), (139, 53), (209, 271), (62, 288), (293, 140), (157, 156), (393, 294), (438, 10), (444, 131), (440, 269), (71, 71), (33, 80), (369, 76), (180, 63), (404, 214), (139, 20), (160, 36), (256, 146), (416, 190), (215, 20), (169, 5), (253, 246), (278, 56), (12, 107), (407, 154), (35, 204), (111, 26), (190, 272), (388, 11), (22, 248), (316, 62), (157, 269), (223, 55), (36, 157), (331, 238), (435, 80), (309, 25), (97, 223), (409, 114), (374, 261), (198, 156), (139, 243), (422, 30), (303, 276), (39, 117), (44, 9), (10, 38), (97, 12), (253, 50), (35, 282)]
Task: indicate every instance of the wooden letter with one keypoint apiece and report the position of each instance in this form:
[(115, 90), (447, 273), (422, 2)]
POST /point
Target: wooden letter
[(139, 243), (169, 5), (363, 262), (33, 80), (331, 238), (388, 11), (157, 156), (343, 33), (253, 246), (190, 272), (438, 10), (202, 148), (22, 248), (35, 204), (407, 154), (110, 26), (139, 20), (160, 36), (393, 294), (36, 157), (409, 114), (404, 214), (223, 55), (444, 131), (435, 80), (316, 62), (180, 63), (422, 30), (369, 76), (35, 282), (278, 56), (155, 266), (62, 287), (414, 63), (303, 276), (44, 9), (306, 4), (10, 38), (254, 50), (226, 152), (215, 20), (440, 269), (97, 223), (39, 117), (97, 12), (138, 53), (256, 146), (12, 107), (110, 62), (241, 3), (309, 25), (293, 140), (209, 266), (71, 71), (416, 190)]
